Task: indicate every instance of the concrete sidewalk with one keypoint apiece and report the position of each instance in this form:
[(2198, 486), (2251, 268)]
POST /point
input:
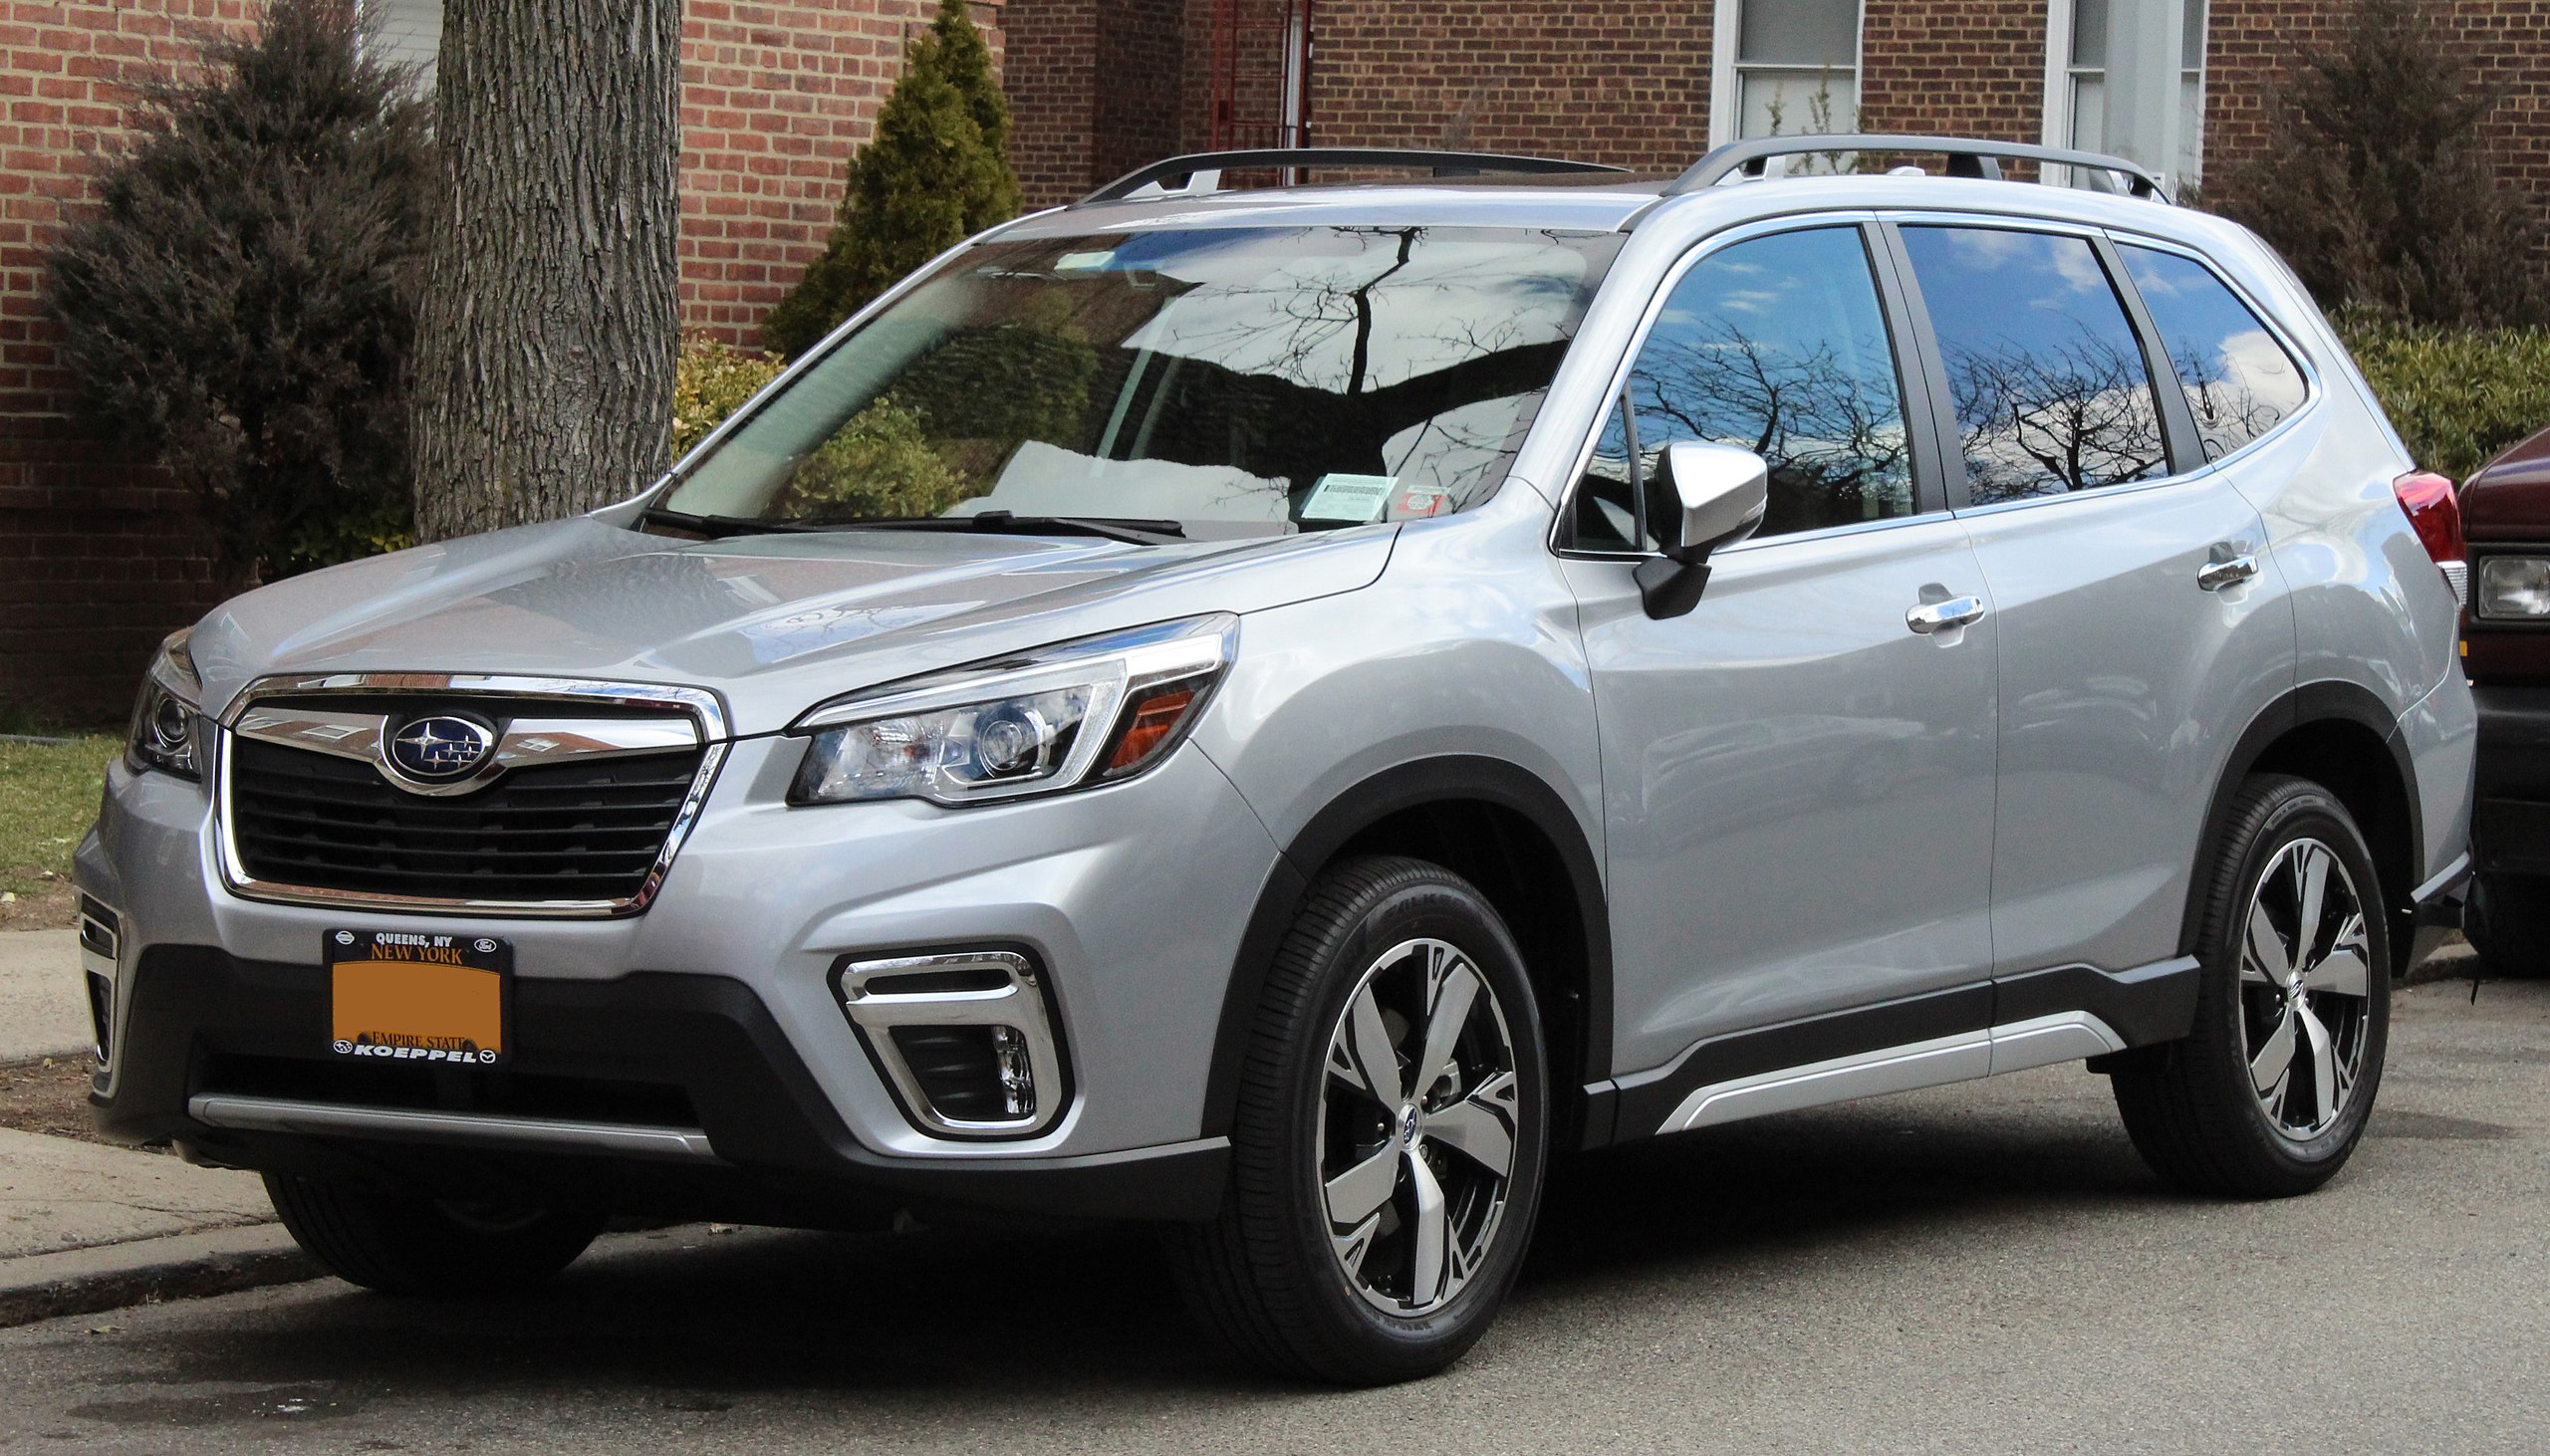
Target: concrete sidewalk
[(44, 1009), (84, 1227), (57, 1195)]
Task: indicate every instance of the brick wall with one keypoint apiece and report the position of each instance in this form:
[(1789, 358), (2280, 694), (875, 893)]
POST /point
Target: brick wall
[(98, 556), (1141, 57), (2251, 44), (1971, 67), (1053, 99), (775, 99), (1095, 92), (1613, 81)]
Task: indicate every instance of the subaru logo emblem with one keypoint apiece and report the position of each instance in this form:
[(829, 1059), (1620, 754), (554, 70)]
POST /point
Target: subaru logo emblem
[(440, 750)]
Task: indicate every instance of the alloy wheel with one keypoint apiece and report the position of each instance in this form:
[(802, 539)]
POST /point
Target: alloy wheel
[(2305, 981), (1418, 1127)]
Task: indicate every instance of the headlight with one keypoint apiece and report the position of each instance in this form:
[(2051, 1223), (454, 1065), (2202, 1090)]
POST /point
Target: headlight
[(1063, 717), (2514, 586), (167, 726)]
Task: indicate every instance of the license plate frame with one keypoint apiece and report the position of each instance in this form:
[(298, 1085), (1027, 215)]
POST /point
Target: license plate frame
[(407, 998)]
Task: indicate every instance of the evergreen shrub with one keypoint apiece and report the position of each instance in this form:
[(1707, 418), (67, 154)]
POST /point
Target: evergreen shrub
[(241, 303), (2457, 396), (936, 174), (2375, 184)]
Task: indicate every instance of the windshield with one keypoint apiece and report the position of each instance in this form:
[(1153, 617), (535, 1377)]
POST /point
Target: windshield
[(1246, 380)]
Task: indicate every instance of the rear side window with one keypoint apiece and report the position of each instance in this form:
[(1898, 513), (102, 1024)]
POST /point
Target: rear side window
[(2051, 391), (2239, 381), (1779, 344)]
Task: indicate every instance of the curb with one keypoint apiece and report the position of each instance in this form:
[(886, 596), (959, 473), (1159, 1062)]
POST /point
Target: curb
[(2455, 963), (149, 1272)]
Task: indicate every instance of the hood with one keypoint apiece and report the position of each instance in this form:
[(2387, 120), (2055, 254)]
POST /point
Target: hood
[(772, 623)]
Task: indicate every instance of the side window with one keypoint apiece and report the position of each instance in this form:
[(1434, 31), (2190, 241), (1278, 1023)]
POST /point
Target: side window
[(2238, 379), (1779, 344), (2047, 375)]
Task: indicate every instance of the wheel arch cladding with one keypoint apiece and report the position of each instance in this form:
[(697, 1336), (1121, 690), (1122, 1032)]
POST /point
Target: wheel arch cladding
[(2340, 736), (1503, 830)]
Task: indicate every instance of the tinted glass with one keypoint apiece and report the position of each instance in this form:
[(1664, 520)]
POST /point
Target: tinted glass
[(1607, 514), (2046, 377), (1799, 32), (1779, 344), (1254, 379), (2238, 379)]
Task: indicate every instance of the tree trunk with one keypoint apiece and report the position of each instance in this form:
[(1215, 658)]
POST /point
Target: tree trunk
[(547, 339)]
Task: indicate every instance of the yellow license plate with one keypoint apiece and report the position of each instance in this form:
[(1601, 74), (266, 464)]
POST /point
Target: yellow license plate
[(410, 998)]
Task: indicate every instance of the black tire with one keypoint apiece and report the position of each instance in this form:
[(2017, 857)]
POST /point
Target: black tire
[(419, 1246), (1263, 1276), (2193, 1106), (2508, 924)]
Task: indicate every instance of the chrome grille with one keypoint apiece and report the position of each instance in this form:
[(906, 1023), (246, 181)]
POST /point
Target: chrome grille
[(578, 810), (579, 832)]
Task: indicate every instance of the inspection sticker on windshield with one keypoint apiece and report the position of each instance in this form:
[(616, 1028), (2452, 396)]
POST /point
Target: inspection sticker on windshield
[(1347, 498)]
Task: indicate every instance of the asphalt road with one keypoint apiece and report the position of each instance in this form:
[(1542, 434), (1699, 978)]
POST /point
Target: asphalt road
[(1971, 1268)]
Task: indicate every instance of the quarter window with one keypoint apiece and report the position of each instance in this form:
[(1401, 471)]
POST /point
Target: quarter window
[(1608, 512), (2238, 379), (2047, 375), (1779, 346)]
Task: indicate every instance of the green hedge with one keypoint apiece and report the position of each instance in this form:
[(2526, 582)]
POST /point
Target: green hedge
[(714, 382), (2457, 396)]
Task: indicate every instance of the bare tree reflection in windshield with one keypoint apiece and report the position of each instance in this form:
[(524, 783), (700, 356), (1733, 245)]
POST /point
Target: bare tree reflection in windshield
[(1214, 376)]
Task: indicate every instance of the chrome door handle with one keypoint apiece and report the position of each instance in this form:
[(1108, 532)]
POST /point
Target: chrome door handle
[(1938, 616), (2221, 574)]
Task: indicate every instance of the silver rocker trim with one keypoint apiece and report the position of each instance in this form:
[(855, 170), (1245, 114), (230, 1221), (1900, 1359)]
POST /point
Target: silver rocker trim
[(2043, 1041), (479, 1129)]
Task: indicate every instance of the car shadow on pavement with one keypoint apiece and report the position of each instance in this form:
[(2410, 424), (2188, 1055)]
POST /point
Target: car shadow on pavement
[(691, 1321)]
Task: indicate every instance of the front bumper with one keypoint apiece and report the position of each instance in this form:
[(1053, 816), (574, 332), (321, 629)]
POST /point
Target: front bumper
[(717, 1011), (2510, 820), (643, 1055)]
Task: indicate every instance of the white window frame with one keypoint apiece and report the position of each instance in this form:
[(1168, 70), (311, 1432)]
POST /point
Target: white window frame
[(2060, 105), (1726, 97)]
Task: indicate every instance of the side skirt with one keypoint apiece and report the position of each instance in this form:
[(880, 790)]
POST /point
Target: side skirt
[(2010, 1024)]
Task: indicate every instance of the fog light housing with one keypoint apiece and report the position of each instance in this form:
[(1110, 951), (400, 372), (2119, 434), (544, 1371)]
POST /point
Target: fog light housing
[(100, 953), (966, 1041)]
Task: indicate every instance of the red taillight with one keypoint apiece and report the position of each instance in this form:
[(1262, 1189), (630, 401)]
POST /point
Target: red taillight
[(2435, 512)]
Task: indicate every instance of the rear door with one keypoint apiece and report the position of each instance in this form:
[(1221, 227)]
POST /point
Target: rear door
[(2142, 625), (1797, 784)]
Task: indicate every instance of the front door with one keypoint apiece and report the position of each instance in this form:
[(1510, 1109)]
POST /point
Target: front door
[(1797, 783)]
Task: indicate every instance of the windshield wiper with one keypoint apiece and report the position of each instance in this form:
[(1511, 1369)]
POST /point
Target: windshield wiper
[(719, 527), (1137, 531), (1113, 528)]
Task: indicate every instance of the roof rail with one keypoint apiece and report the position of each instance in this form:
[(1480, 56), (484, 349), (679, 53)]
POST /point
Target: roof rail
[(1208, 166), (1967, 157)]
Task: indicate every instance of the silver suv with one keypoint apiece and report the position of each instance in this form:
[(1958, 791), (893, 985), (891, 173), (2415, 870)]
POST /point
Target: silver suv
[(1280, 712)]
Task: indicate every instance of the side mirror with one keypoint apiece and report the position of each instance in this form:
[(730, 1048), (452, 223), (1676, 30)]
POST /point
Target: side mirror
[(1710, 496)]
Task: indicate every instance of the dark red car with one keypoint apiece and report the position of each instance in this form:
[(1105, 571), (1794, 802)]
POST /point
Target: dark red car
[(2505, 511)]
